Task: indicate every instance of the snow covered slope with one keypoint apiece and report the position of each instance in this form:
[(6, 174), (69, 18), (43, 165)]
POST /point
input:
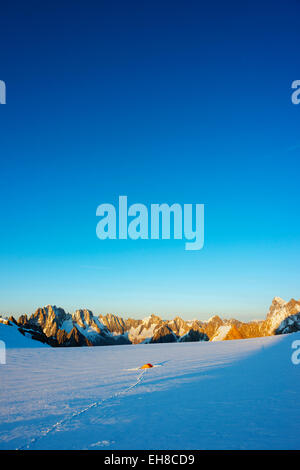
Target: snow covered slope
[(14, 339), (221, 333), (204, 395)]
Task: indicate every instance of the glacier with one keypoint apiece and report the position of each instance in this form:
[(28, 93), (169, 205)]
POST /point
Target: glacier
[(205, 395)]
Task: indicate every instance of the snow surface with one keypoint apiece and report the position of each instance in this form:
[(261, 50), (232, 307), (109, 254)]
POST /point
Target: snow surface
[(67, 325), (239, 394), (14, 339), (221, 333)]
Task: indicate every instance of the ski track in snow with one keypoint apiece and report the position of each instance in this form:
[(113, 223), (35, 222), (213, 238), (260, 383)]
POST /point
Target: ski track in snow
[(95, 404)]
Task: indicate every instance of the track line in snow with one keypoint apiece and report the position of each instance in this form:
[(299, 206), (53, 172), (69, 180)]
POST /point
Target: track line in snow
[(95, 404)]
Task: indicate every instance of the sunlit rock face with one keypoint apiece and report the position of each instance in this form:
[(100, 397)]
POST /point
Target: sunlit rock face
[(54, 326)]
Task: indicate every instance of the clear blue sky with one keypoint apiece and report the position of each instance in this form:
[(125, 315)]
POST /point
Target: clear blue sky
[(181, 101)]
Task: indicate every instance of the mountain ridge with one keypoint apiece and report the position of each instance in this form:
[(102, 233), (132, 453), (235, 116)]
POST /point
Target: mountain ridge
[(54, 326)]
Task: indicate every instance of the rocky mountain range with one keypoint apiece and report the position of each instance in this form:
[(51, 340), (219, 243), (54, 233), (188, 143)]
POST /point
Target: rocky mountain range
[(52, 325)]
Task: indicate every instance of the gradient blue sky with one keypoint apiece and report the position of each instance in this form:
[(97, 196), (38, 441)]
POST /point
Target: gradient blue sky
[(181, 101)]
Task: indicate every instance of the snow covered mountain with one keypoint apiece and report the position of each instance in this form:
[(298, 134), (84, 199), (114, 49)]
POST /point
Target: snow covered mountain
[(53, 326), (281, 318)]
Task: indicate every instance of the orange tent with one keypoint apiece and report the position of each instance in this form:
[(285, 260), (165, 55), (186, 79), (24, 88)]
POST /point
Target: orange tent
[(147, 366)]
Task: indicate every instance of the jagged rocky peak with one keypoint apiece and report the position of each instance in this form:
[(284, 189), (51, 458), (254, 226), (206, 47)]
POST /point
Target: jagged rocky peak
[(132, 323), (49, 319), (23, 320), (152, 319), (180, 322), (179, 326), (278, 300), (233, 321), (72, 339), (277, 304), (214, 319), (211, 325), (113, 323), (193, 335), (83, 316), (196, 325), (163, 334), (50, 312), (279, 311)]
